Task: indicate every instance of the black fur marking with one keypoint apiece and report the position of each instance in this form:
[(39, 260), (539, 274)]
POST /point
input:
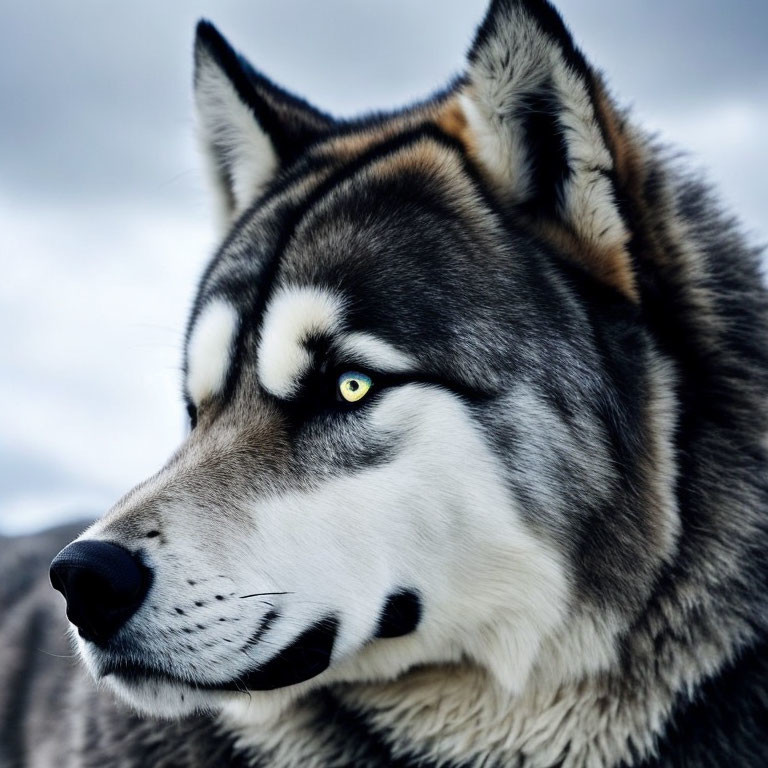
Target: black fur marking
[(306, 657), (260, 281), (267, 621), (401, 614), (317, 395), (725, 724), (190, 406), (290, 122), (547, 150), (262, 287)]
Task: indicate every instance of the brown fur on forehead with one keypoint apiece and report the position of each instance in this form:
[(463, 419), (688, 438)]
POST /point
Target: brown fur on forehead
[(443, 172), (334, 153), (357, 139), (609, 261), (345, 147), (443, 168)]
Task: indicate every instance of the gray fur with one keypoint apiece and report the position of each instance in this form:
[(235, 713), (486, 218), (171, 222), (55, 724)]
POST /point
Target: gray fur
[(549, 289)]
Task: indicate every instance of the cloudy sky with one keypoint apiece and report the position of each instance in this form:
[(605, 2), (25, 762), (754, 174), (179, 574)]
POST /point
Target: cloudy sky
[(105, 221)]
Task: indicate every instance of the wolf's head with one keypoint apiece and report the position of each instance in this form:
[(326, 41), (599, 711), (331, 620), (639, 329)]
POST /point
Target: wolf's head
[(427, 425)]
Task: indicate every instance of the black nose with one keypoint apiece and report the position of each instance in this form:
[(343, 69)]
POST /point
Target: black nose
[(103, 583)]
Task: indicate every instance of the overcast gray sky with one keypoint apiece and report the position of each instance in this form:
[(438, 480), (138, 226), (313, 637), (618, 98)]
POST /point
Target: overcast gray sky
[(104, 217)]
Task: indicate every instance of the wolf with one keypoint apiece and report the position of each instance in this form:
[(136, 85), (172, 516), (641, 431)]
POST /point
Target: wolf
[(476, 472)]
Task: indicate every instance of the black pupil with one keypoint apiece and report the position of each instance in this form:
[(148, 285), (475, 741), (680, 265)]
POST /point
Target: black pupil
[(354, 385)]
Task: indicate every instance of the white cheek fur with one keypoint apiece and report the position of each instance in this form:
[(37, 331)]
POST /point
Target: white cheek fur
[(436, 518)]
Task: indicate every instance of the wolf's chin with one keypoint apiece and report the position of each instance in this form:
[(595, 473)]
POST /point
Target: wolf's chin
[(163, 700), (172, 701)]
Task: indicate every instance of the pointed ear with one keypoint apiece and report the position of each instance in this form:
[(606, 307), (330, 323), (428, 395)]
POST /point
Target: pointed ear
[(249, 127), (537, 125)]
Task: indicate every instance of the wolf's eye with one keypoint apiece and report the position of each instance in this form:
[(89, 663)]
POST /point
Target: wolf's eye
[(354, 386)]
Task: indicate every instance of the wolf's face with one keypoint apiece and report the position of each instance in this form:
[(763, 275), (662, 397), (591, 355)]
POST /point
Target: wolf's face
[(414, 438)]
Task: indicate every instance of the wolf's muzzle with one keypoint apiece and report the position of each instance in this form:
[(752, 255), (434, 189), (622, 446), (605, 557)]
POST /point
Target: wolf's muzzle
[(104, 585)]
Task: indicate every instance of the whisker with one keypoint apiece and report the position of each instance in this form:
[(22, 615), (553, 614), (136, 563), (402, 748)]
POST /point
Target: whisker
[(242, 687), (58, 655), (262, 594)]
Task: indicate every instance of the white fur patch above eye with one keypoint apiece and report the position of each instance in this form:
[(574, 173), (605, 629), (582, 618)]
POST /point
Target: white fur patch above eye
[(294, 314), (209, 353), (369, 350)]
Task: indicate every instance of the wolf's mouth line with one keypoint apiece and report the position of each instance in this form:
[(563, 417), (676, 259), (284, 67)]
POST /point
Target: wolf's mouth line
[(305, 657), (135, 672)]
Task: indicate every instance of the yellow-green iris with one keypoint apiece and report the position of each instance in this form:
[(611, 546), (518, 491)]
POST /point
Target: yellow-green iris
[(354, 386)]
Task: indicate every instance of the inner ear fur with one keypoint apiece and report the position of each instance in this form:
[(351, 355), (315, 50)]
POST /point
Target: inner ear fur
[(536, 119), (249, 127)]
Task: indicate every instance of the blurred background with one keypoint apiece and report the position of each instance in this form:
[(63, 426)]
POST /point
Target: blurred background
[(105, 222)]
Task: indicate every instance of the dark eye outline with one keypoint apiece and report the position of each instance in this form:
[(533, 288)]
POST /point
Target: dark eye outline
[(381, 382)]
